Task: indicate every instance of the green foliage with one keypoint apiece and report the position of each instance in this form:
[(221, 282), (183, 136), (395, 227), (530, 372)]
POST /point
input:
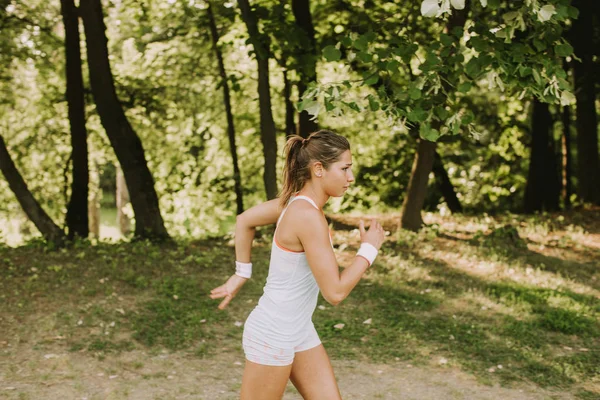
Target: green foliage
[(426, 77)]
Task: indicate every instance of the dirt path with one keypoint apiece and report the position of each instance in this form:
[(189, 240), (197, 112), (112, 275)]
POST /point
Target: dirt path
[(39, 374)]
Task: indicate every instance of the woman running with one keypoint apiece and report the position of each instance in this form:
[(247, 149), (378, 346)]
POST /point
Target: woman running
[(279, 339)]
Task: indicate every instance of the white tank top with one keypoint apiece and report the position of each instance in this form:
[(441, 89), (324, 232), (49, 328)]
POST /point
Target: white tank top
[(290, 294)]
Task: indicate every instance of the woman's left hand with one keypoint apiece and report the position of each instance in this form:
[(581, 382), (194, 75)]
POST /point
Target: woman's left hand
[(228, 290)]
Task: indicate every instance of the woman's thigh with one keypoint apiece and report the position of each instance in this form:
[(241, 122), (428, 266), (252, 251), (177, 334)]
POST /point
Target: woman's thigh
[(313, 376), (264, 382)]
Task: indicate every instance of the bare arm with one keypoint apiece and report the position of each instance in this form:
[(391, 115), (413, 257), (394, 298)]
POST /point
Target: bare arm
[(314, 235), (245, 228)]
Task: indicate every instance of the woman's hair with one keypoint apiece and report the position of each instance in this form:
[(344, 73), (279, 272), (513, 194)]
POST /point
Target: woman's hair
[(322, 146)]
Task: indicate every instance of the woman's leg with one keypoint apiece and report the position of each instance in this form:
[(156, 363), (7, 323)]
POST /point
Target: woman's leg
[(312, 375), (264, 382)]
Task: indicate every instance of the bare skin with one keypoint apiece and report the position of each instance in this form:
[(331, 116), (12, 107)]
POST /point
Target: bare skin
[(302, 228)]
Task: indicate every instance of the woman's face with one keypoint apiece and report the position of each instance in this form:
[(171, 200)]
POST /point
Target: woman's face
[(338, 177)]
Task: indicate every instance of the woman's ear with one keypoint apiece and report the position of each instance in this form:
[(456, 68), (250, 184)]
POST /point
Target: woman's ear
[(318, 169)]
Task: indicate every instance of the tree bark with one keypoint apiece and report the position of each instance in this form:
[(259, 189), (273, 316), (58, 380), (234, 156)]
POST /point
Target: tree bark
[(290, 126), (122, 199), (77, 208), (307, 58), (445, 185), (49, 230), (543, 185), (588, 164), (94, 202), (567, 188), (267, 125), (237, 180), (417, 186), (127, 145)]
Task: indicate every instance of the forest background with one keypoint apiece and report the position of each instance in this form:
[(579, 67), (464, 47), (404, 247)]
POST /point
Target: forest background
[(192, 102)]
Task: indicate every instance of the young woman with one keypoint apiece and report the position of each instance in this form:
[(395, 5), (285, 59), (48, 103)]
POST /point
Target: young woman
[(280, 340)]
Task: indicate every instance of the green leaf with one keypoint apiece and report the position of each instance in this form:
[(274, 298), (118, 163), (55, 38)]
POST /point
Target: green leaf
[(392, 66), (361, 44), (428, 133), (546, 12), (371, 80), (414, 93), (567, 98), (312, 107), (458, 4), (332, 53), (373, 103), (417, 115), (539, 45), (464, 87), (473, 68), (441, 112), (446, 39), (537, 76), (429, 8), (573, 12), (365, 57), (563, 50)]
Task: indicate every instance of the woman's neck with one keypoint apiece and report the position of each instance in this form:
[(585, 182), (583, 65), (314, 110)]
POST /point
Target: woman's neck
[(315, 193)]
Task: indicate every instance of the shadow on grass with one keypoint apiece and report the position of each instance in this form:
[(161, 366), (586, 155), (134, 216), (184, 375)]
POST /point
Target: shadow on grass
[(583, 273), (411, 324)]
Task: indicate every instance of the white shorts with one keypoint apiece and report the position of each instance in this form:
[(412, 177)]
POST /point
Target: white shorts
[(260, 351)]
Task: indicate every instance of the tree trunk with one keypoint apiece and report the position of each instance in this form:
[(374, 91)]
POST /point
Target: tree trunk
[(77, 208), (445, 185), (307, 58), (588, 164), (267, 125), (567, 188), (127, 145), (417, 186), (290, 126), (49, 230), (94, 203), (227, 102), (543, 185), (122, 199)]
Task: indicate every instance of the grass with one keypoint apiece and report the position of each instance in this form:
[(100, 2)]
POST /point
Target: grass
[(508, 299)]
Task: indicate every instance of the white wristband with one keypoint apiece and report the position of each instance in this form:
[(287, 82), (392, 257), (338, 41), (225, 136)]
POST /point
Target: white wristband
[(243, 269), (367, 251)]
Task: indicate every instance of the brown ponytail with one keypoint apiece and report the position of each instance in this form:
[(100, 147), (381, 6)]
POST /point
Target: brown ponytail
[(322, 146)]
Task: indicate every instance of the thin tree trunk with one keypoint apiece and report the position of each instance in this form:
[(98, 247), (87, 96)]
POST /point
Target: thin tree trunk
[(49, 230), (446, 185), (417, 186), (588, 164), (122, 199), (290, 126), (543, 185), (77, 208), (267, 125), (227, 102), (94, 203), (125, 142), (307, 58), (567, 188)]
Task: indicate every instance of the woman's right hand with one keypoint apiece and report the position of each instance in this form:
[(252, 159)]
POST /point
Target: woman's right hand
[(375, 235), (228, 290)]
